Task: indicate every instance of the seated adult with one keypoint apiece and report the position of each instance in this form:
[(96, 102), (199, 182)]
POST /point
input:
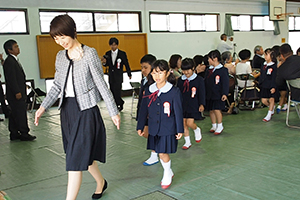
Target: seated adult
[(244, 68), (258, 59), (289, 69), (175, 64), (227, 62)]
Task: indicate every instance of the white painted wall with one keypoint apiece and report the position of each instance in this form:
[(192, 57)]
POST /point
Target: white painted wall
[(160, 44)]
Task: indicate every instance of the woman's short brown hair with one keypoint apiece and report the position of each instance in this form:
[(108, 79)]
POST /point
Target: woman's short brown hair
[(63, 25)]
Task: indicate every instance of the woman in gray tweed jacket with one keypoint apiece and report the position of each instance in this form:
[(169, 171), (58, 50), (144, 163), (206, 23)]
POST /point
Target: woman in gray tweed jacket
[(79, 84)]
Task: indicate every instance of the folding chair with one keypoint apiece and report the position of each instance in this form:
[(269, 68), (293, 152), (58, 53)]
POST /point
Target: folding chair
[(296, 84), (35, 98), (135, 95)]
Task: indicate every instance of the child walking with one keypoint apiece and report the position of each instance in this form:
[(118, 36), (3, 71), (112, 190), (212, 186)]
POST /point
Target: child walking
[(146, 62), (162, 107), (217, 88), (267, 82), (193, 92)]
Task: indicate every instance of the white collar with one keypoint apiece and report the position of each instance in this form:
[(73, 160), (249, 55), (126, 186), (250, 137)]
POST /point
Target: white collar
[(262, 56), (166, 88), (14, 57), (216, 67), (183, 77), (145, 80), (116, 51), (269, 64)]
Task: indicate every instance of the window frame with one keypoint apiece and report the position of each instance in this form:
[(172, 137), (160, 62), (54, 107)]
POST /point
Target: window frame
[(251, 22), (26, 21), (185, 21), (294, 28), (94, 20)]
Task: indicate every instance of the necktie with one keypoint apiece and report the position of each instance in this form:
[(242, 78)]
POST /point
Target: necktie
[(152, 97), (186, 85), (210, 72)]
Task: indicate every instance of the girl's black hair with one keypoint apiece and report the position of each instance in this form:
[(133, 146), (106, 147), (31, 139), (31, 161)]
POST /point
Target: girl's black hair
[(187, 64), (272, 54), (162, 65), (215, 54)]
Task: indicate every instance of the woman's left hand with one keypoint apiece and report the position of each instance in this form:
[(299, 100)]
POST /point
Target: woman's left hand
[(178, 136), (117, 121)]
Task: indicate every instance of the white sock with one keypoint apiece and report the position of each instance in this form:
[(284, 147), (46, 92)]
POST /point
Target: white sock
[(269, 115), (187, 141), (279, 106), (219, 128), (168, 173), (198, 135), (214, 126), (153, 158), (285, 106)]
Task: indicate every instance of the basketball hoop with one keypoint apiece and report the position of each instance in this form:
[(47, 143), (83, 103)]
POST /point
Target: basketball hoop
[(280, 16)]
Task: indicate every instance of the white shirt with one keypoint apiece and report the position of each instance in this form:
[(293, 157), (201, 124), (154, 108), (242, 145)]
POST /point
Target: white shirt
[(223, 46), (114, 55), (243, 68), (69, 90)]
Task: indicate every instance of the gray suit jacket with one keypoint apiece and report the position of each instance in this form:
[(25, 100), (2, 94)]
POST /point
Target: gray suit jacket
[(88, 81)]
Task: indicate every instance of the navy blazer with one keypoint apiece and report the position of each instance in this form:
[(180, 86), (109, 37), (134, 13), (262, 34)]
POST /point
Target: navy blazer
[(217, 84), (114, 70), (267, 78), (161, 120), (15, 79), (194, 96), (144, 85)]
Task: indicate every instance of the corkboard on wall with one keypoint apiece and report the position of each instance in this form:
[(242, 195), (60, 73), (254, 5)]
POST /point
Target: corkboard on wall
[(135, 46)]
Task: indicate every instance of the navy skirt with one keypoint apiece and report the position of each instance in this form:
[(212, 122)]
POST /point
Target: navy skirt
[(266, 93), (83, 134), (162, 144), (195, 115), (215, 105)]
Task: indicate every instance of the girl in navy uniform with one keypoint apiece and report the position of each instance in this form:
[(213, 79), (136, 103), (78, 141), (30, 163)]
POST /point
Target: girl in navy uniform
[(193, 92), (267, 82), (217, 88), (146, 62), (162, 107)]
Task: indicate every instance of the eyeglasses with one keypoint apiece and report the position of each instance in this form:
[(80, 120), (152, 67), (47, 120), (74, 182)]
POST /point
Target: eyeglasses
[(157, 73)]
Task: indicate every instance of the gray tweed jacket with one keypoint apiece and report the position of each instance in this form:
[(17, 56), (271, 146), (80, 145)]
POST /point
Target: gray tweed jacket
[(89, 84)]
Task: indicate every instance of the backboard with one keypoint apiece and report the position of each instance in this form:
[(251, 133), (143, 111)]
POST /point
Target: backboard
[(277, 10)]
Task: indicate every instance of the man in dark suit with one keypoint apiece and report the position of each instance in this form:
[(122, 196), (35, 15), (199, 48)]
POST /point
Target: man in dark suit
[(289, 69), (15, 80), (258, 60), (115, 59)]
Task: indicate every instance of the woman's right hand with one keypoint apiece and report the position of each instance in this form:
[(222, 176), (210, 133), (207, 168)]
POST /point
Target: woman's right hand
[(38, 115)]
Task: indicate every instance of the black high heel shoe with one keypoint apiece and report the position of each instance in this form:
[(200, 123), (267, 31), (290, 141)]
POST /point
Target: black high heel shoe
[(98, 196)]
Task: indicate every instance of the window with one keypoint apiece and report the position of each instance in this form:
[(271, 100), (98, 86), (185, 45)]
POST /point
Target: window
[(201, 22), (262, 23), (13, 21), (182, 22), (241, 22), (95, 21), (294, 23)]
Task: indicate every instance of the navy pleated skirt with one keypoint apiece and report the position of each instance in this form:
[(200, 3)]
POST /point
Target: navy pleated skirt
[(83, 134), (162, 144)]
